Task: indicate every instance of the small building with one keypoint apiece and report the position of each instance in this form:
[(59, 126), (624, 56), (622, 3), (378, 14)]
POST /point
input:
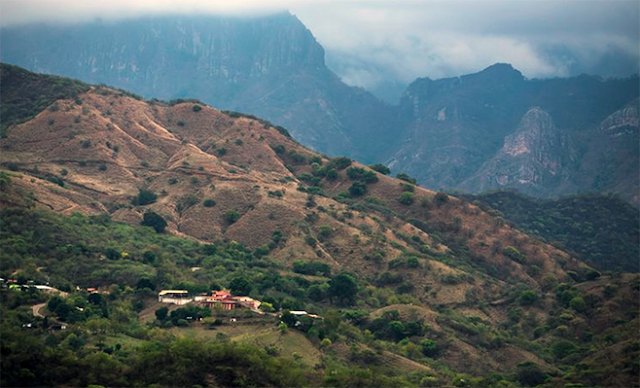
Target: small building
[(247, 302), (178, 297), (222, 299)]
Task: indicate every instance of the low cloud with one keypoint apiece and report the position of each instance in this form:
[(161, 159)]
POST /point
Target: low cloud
[(372, 40)]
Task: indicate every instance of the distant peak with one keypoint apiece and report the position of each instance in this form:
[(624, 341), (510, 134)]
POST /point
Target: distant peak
[(501, 68)]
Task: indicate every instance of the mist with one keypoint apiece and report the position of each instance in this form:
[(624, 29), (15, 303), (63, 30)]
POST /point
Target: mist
[(380, 45)]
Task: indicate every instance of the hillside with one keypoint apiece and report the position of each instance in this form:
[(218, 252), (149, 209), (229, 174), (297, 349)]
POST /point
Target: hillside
[(268, 66), (415, 287), (601, 230)]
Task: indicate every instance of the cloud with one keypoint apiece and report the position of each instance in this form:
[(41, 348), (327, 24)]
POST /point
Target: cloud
[(372, 40)]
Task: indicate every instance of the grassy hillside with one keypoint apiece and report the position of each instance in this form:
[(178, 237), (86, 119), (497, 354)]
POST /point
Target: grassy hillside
[(602, 230)]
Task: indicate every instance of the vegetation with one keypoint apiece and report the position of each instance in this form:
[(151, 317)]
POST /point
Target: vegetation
[(602, 230)]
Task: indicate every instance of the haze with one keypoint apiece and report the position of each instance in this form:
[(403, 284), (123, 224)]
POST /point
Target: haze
[(383, 45)]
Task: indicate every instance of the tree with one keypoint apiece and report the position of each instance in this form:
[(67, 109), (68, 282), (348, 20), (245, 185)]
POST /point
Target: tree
[(288, 318), (162, 313), (155, 221), (530, 374), (240, 285), (145, 197), (343, 287), (357, 189), (429, 348)]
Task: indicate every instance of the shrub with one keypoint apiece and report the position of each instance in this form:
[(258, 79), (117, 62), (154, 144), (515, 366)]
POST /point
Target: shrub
[(441, 198), (239, 142), (279, 149), (64, 172), (360, 174), (381, 168), (102, 167), (406, 198), (145, 197), (231, 216), (527, 298), (86, 143), (340, 163), (405, 177), (222, 151), (312, 268), (155, 221), (357, 189), (209, 202), (407, 187), (197, 108)]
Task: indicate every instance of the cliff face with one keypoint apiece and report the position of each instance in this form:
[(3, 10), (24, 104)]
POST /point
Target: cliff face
[(531, 158), (271, 67)]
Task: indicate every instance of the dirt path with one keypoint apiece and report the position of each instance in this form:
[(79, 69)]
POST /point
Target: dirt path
[(36, 309)]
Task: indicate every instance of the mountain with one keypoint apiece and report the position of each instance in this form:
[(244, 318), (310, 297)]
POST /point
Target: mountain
[(496, 129), (267, 66), (451, 134)]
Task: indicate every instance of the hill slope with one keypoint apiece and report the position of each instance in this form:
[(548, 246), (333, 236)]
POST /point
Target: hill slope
[(602, 230)]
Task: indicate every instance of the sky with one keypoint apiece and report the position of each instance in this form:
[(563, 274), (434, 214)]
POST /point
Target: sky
[(377, 44)]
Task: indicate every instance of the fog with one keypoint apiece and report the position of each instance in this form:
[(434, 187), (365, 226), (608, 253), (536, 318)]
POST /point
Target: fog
[(370, 43)]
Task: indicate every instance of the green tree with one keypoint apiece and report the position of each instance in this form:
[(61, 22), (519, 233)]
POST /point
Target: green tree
[(145, 197), (240, 285), (357, 189), (155, 221), (162, 313), (343, 287)]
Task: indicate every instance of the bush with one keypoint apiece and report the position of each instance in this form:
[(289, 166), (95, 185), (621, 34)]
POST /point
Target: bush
[(406, 178), (381, 168), (231, 216), (222, 151), (197, 108), (145, 197), (155, 221), (527, 298), (406, 198), (279, 149), (209, 202), (441, 198), (357, 189), (312, 268)]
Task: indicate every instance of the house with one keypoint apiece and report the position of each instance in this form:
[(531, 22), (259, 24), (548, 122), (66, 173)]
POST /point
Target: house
[(178, 297), (218, 298), (247, 302)]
